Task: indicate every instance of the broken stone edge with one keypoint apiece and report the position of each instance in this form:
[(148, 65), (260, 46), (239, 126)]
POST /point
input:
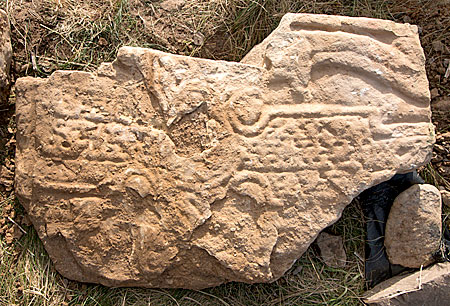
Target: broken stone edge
[(407, 289)]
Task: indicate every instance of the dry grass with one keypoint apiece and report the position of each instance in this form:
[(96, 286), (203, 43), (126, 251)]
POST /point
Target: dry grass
[(243, 23), (71, 34)]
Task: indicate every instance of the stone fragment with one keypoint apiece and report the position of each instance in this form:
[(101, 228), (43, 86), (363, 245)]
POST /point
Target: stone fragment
[(172, 5), (332, 250), (161, 170), (434, 93), (438, 46), (413, 228), (199, 39), (445, 195), (429, 287), (5, 56)]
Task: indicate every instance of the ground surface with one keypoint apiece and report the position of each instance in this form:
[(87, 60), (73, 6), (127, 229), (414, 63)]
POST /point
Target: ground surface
[(69, 34)]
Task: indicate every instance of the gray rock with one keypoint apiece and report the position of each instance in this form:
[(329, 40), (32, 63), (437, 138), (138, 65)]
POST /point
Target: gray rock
[(332, 250), (445, 195), (413, 228)]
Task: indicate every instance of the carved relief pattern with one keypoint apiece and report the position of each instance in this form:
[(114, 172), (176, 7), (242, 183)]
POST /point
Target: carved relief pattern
[(164, 170)]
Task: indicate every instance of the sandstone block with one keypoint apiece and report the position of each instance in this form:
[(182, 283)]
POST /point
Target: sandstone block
[(413, 228), (5, 56), (429, 287), (161, 170)]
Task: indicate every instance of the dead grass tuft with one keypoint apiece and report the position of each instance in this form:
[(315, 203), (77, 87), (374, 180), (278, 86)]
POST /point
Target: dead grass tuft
[(70, 34)]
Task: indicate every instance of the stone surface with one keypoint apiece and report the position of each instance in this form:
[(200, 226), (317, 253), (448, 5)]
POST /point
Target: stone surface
[(161, 170), (413, 228), (429, 287), (445, 195), (5, 56), (332, 250), (170, 5)]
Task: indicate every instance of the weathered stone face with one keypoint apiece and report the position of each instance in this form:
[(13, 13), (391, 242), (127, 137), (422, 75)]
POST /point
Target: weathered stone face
[(414, 226), (430, 286), (161, 170), (5, 55)]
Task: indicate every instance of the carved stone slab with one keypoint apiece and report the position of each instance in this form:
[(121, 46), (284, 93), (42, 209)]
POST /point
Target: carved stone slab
[(161, 170)]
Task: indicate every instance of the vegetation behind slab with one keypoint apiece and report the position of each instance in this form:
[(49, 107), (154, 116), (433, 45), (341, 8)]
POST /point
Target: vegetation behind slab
[(68, 34)]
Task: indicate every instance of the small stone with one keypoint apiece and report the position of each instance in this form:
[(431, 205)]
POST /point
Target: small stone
[(102, 42), (413, 228), (297, 270), (445, 194), (199, 39), (438, 46), (332, 250), (434, 93), (406, 19), (172, 5)]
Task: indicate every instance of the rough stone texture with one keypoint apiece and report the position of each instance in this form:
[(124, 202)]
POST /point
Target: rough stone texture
[(429, 287), (445, 195), (5, 56), (332, 250), (168, 171), (413, 228)]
